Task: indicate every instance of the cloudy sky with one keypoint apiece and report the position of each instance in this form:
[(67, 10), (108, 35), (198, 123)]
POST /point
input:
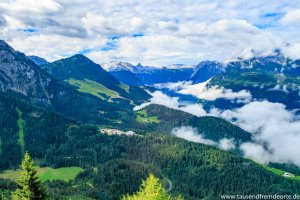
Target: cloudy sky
[(153, 32)]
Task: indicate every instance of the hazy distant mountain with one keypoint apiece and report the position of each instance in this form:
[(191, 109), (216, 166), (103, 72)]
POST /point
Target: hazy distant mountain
[(123, 71), (151, 75), (148, 75), (38, 60), (117, 66), (127, 77), (179, 66), (206, 70), (125, 66), (273, 78)]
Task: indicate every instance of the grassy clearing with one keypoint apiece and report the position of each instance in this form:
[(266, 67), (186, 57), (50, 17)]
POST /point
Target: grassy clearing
[(94, 88), (0, 147), (78, 198), (279, 172), (47, 173), (125, 87), (274, 170), (64, 173), (21, 124), (142, 117)]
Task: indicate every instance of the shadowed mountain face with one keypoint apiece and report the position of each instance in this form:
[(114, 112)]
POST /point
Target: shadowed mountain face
[(124, 72), (164, 75), (38, 60), (147, 75), (127, 77), (206, 70)]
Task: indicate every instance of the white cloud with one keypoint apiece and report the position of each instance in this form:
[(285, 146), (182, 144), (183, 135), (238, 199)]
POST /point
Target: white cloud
[(191, 134), (99, 24), (256, 152), (213, 93), (34, 45), (31, 6), (204, 91), (194, 109), (162, 99), (292, 51), (256, 116), (171, 86), (276, 131), (181, 32), (222, 40), (172, 102), (93, 22), (292, 18), (227, 144), (142, 106), (137, 23)]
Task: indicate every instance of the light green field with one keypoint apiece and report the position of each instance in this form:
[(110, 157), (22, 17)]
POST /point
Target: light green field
[(274, 170), (0, 147), (78, 198), (142, 117), (279, 172), (94, 88), (124, 87), (47, 173), (21, 124)]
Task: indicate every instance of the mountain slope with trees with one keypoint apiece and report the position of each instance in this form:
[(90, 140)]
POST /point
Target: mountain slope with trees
[(62, 127)]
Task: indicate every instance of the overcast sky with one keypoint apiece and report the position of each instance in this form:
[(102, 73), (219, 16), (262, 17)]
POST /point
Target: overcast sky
[(153, 32)]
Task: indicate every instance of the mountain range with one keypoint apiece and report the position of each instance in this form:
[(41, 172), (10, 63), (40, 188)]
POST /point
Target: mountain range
[(274, 78), (59, 111)]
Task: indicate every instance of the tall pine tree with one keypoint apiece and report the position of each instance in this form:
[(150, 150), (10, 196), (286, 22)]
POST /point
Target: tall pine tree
[(151, 189), (29, 186)]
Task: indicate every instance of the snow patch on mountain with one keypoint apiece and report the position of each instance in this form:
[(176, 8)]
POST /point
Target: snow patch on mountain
[(117, 66)]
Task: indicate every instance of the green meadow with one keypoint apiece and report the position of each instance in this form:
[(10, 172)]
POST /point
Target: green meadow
[(279, 172), (47, 173), (93, 88), (142, 117), (21, 124)]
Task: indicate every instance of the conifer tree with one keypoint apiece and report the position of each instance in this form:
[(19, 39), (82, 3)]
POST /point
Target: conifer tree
[(29, 186), (151, 189)]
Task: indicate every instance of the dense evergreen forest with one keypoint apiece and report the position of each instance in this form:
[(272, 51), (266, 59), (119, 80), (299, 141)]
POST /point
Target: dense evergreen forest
[(114, 165), (61, 125)]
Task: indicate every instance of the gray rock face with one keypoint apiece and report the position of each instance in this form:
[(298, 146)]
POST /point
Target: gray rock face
[(21, 75)]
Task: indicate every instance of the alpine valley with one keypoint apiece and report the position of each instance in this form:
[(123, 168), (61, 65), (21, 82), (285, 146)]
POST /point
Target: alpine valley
[(97, 130)]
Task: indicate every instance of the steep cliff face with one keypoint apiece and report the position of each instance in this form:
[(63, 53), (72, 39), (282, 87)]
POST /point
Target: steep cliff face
[(21, 75)]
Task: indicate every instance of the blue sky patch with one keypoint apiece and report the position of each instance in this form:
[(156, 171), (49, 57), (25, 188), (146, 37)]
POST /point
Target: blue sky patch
[(138, 35), (274, 16), (111, 44), (30, 30), (85, 51)]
